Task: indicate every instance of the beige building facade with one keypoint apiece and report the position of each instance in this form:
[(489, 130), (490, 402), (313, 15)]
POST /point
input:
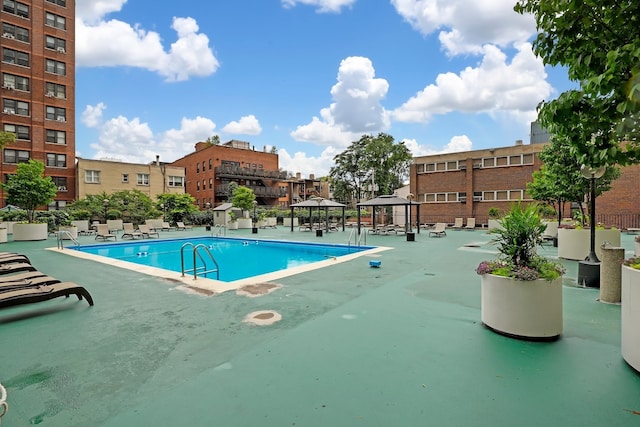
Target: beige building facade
[(153, 179)]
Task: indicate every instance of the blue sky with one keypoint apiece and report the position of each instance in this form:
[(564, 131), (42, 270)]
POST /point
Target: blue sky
[(305, 76)]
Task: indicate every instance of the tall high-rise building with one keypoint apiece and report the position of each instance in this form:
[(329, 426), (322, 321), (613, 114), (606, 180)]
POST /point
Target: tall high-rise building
[(38, 90)]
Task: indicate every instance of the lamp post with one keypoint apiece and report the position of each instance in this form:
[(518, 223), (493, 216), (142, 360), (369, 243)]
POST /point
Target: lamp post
[(254, 230), (589, 269), (105, 205), (411, 237)]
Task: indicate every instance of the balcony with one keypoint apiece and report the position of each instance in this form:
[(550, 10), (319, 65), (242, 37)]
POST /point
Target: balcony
[(259, 191), (244, 173)]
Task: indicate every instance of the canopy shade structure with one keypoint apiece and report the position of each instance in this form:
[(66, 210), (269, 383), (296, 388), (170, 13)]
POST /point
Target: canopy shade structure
[(390, 200), (318, 203)]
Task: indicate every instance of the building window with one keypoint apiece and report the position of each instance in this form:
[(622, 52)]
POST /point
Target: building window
[(176, 181), (527, 159), (62, 3), (56, 21), (502, 161), (56, 113), (12, 106), (16, 156), (16, 57), (430, 167), (22, 132), (56, 137), (197, 167), (15, 8), (9, 81), (125, 177), (489, 162), (92, 177), (197, 185), (54, 90), (56, 160), (56, 67), (57, 205), (210, 164), (56, 43), (60, 182), (10, 31), (143, 179), (210, 183)]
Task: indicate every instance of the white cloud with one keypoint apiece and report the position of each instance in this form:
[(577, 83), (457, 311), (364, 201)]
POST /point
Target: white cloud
[(247, 125), (356, 109), (306, 165), (323, 6), (131, 140), (457, 144), (494, 87), (101, 43), (467, 25), (92, 115)]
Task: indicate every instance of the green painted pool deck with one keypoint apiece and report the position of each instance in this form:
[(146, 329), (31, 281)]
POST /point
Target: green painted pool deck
[(399, 345)]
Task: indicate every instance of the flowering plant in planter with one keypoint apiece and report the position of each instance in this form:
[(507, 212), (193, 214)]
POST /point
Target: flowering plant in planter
[(633, 262), (517, 240)]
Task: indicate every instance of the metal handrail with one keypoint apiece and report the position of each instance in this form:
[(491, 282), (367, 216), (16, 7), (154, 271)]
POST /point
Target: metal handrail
[(60, 239), (219, 230), (203, 270)]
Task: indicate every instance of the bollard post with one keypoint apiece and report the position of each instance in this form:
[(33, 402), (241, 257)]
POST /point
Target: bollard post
[(611, 274)]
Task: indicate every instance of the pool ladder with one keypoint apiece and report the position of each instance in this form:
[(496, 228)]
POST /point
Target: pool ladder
[(218, 230), (64, 234), (197, 253), (357, 237)]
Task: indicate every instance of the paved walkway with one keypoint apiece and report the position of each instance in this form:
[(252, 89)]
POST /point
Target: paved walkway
[(400, 345)]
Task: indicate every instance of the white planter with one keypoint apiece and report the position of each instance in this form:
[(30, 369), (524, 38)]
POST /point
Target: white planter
[(637, 249), (575, 243), (522, 309), (245, 223), (28, 232), (232, 225), (630, 318), (3, 235), (271, 221), (494, 224), (70, 232), (8, 225), (262, 223), (286, 222)]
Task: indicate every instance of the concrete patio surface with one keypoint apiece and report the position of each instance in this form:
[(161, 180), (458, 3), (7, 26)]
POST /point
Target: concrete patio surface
[(399, 345)]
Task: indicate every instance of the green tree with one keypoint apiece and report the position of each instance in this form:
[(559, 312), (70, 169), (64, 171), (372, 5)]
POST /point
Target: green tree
[(243, 198), (29, 188), (598, 43), (371, 159), (176, 206), (129, 205)]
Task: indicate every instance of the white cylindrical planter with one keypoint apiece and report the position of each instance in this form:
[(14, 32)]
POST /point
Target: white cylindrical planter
[(245, 223), (29, 232), (232, 225), (286, 222), (528, 309), (69, 232), (272, 221), (575, 243), (630, 318), (3, 235), (494, 224), (637, 248)]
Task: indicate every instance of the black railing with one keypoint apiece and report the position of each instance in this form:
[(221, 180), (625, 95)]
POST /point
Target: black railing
[(270, 192), (239, 172)]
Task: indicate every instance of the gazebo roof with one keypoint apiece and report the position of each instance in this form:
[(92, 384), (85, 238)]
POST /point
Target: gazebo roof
[(388, 200), (313, 203)]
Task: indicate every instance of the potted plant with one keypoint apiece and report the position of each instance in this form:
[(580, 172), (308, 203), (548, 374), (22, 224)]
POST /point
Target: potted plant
[(494, 215), (233, 221), (29, 189), (521, 292), (630, 312)]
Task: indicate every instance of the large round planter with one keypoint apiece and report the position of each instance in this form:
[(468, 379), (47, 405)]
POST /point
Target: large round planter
[(69, 232), (637, 249), (575, 243), (232, 225), (287, 222), (522, 309), (494, 224), (630, 318), (3, 235), (29, 232), (245, 223)]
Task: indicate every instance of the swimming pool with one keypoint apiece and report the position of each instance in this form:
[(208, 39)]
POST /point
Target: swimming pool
[(237, 258)]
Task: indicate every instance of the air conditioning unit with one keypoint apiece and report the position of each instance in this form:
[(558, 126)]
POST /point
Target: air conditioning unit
[(477, 165), (7, 86), (62, 188), (61, 119), (462, 167), (61, 50), (50, 94), (9, 111), (477, 198), (462, 199), (8, 36)]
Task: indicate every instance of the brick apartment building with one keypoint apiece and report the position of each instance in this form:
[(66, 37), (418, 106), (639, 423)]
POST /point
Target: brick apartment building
[(38, 90), (210, 169), (468, 184)]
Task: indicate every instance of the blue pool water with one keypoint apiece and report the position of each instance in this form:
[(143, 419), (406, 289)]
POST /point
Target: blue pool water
[(237, 258)]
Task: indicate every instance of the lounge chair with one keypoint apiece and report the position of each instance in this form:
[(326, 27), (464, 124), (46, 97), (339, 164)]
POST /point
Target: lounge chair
[(181, 226), (146, 231), (12, 257), (43, 293), (16, 267), (471, 224), (103, 232), (457, 224), (438, 230), (30, 279), (129, 232), (167, 227)]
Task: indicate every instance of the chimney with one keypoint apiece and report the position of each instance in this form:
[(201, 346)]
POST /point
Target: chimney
[(298, 175), (518, 142), (312, 176), (201, 146), (157, 160)]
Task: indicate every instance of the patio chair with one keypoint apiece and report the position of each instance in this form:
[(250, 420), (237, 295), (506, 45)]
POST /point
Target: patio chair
[(146, 231), (129, 232), (167, 227), (102, 232), (438, 230), (181, 226), (43, 293), (16, 267), (471, 224), (12, 257), (29, 279), (457, 224)]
